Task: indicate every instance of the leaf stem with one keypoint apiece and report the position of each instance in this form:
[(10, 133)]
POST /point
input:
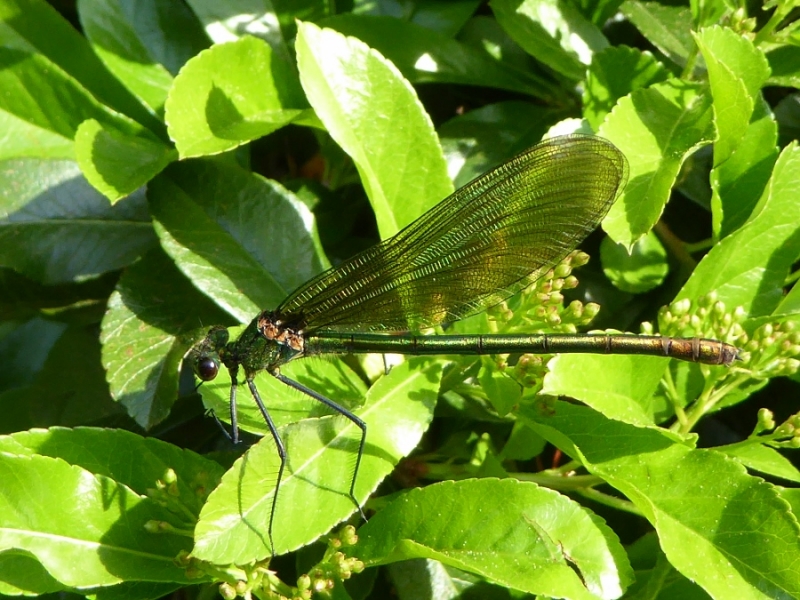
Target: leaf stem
[(611, 501)]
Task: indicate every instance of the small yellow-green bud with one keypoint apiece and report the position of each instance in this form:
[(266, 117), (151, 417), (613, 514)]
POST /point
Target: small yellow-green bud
[(556, 298), (304, 582), (591, 310), (766, 419), (561, 271), (170, 476), (579, 259), (152, 526), (681, 307), (792, 366), (349, 536), (226, 591)]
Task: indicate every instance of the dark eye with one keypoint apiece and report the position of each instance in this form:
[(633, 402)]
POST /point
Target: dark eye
[(207, 368)]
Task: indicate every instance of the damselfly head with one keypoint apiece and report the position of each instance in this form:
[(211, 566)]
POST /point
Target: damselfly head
[(206, 368), (205, 359)]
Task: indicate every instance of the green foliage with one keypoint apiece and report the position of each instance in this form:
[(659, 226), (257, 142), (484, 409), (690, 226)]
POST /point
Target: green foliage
[(187, 164)]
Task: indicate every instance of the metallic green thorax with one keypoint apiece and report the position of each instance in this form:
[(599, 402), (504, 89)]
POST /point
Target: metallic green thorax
[(262, 346)]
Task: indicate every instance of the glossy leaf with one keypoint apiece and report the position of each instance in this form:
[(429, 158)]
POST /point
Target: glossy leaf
[(614, 73), (737, 70), (620, 387), (321, 459), (230, 94), (754, 279), (640, 271), (146, 332), (764, 460), (423, 56), (667, 481), (405, 175), (656, 128), (36, 27), (512, 533), (244, 241), (666, 27), (116, 164), (481, 139), (55, 228), (143, 45), (97, 524), (554, 33)]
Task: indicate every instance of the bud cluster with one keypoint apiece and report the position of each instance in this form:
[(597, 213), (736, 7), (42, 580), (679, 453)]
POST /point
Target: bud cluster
[(541, 306), (707, 318), (785, 435)]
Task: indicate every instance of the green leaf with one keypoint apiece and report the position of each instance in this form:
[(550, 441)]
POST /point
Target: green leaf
[(234, 19), (97, 524), (21, 574), (502, 391), (446, 18), (144, 335), (55, 228), (242, 240), (696, 499), (640, 271), (231, 94), (739, 182), (330, 377), (749, 267), (656, 128), (60, 380), (668, 28), (736, 72), (22, 298), (34, 26), (116, 42), (614, 73), (764, 460), (784, 64), (512, 533), (620, 387), (360, 97), (61, 105), (598, 11), (481, 139), (553, 32), (125, 457), (117, 164), (423, 56), (321, 459)]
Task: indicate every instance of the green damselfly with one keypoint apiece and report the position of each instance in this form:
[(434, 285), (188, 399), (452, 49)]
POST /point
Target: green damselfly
[(487, 241)]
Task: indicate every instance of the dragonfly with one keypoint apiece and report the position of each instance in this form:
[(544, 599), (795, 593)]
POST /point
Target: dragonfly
[(485, 242)]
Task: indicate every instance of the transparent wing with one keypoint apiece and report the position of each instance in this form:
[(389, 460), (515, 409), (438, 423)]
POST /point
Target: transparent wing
[(488, 240)]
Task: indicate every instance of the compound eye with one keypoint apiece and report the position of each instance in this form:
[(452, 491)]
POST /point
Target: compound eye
[(207, 368)]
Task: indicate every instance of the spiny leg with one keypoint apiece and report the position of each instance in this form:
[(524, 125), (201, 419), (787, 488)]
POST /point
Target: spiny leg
[(344, 412), (281, 452), (234, 435)]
